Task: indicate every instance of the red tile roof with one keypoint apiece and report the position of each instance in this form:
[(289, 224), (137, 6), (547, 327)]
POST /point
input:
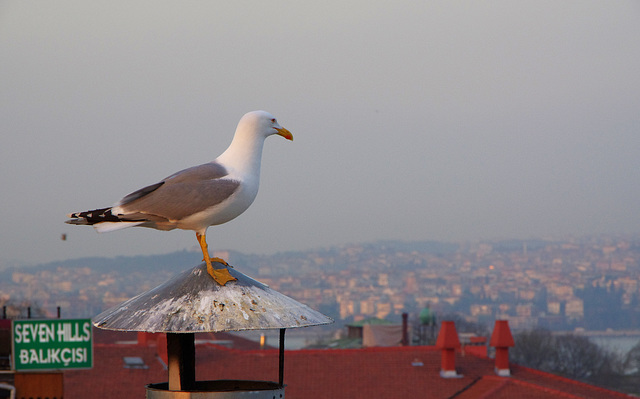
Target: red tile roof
[(109, 378), (309, 374), (408, 372)]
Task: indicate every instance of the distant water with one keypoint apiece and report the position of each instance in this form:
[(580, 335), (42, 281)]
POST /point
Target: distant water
[(621, 345)]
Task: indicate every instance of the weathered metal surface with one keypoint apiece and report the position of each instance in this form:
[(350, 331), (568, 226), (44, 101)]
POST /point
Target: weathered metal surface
[(222, 389), (192, 302)]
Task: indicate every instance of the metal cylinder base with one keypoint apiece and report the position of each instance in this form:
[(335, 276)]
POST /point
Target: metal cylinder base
[(219, 389)]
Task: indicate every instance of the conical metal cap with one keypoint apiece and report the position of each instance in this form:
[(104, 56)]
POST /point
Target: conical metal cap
[(192, 302)]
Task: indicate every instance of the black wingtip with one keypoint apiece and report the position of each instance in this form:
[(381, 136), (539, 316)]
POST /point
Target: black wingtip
[(92, 217)]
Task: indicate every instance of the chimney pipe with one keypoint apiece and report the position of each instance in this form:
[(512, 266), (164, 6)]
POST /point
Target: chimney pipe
[(405, 329), (448, 342), (501, 339)]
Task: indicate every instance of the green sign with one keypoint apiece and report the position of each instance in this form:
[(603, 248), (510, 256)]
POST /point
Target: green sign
[(52, 344)]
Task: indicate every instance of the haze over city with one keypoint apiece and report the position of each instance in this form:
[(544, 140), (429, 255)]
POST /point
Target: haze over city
[(412, 120)]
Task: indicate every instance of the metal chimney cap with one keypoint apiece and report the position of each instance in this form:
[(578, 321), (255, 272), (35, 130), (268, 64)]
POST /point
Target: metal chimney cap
[(192, 302)]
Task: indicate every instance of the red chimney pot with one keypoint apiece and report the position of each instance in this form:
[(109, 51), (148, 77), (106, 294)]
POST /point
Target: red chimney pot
[(448, 336), (501, 339), (448, 341)]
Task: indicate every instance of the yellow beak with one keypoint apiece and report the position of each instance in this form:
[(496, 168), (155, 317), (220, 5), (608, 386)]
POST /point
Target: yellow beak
[(285, 133)]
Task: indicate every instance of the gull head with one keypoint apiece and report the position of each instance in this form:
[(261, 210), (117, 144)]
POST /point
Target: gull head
[(262, 124)]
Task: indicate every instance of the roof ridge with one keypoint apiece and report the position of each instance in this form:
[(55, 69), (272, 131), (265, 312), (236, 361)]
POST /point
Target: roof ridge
[(555, 391), (503, 382), (557, 377)]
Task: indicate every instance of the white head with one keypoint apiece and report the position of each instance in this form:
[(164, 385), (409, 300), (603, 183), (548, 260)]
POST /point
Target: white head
[(245, 151), (262, 123)]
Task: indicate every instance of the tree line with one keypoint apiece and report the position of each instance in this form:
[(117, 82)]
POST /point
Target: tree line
[(577, 357)]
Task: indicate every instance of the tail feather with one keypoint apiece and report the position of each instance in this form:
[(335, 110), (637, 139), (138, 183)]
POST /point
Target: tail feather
[(106, 227), (101, 219)]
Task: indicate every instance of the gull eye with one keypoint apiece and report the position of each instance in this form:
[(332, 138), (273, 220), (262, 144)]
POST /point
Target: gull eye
[(273, 120)]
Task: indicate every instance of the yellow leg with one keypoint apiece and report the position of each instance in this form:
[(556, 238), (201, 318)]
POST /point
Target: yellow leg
[(221, 276)]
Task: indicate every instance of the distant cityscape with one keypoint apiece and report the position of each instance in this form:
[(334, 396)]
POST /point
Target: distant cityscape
[(589, 283)]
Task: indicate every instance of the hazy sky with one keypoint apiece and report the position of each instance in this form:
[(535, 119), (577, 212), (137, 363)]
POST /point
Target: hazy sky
[(419, 120)]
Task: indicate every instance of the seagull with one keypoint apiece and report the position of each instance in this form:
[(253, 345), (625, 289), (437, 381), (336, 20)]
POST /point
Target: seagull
[(198, 197)]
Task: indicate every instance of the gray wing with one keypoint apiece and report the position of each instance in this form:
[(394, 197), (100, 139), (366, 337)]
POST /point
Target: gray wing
[(182, 194), (211, 170)]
